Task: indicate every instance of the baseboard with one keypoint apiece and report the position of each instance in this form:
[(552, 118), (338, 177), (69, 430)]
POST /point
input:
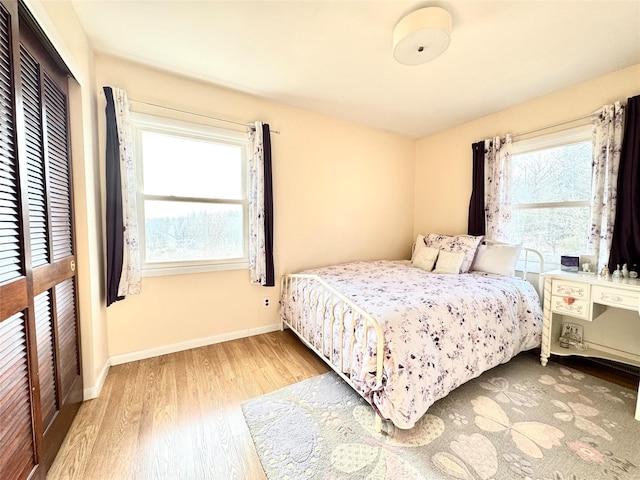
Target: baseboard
[(198, 342), (94, 392)]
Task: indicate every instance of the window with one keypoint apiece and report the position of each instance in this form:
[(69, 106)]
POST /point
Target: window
[(192, 196), (551, 193)]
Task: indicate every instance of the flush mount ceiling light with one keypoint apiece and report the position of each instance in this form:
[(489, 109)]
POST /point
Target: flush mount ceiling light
[(421, 36)]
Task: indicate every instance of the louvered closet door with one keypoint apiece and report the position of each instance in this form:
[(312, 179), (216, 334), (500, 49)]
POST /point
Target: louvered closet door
[(19, 438), (40, 381), (50, 209)]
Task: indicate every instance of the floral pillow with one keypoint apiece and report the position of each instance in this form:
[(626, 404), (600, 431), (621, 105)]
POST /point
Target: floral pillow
[(465, 244)]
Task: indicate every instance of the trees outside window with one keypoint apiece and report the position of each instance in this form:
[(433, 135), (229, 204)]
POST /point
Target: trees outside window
[(551, 193)]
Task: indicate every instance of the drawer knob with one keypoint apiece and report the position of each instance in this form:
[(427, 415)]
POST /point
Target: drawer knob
[(568, 300)]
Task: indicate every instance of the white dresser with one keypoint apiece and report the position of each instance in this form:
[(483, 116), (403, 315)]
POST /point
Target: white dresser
[(606, 309)]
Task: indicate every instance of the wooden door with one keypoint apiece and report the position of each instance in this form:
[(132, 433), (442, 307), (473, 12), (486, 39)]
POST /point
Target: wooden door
[(40, 371), (19, 406), (50, 205)]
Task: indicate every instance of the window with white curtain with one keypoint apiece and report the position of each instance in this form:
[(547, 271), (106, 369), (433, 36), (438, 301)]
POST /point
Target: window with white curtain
[(551, 193), (192, 196)]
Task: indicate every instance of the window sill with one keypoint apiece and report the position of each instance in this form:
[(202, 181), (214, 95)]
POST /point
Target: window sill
[(190, 269)]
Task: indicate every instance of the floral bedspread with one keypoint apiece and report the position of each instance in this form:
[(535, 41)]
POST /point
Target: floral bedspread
[(439, 330)]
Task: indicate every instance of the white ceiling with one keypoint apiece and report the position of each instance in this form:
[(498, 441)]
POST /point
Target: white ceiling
[(335, 57)]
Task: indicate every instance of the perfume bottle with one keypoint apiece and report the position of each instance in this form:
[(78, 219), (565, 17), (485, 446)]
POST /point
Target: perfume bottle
[(633, 273)]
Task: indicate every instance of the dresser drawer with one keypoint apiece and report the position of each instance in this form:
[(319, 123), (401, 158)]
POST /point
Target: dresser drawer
[(615, 297), (565, 288), (570, 306)]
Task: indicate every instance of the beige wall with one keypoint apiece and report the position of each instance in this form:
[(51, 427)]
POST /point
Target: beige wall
[(60, 23), (443, 161), (341, 192)]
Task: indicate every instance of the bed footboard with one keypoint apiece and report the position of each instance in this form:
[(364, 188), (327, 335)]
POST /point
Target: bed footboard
[(327, 321)]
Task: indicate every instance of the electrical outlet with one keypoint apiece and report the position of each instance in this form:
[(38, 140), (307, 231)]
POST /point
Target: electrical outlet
[(267, 302)]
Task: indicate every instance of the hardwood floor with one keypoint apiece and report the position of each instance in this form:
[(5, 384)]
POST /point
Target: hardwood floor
[(591, 367), (178, 416)]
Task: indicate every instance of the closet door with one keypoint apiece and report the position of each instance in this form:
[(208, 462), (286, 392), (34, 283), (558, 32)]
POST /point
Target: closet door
[(52, 257), (40, 371), (20, 442)]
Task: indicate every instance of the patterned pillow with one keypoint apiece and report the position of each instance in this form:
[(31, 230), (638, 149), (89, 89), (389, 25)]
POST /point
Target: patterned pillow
[(449, 262), (465, 244)]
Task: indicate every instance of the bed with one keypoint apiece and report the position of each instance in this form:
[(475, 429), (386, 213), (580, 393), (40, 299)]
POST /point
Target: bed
[(405, 333)]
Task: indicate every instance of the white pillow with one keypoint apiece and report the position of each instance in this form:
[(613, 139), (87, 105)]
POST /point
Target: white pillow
[(449, 262), (419, 243), (424, 257), (497, 259)]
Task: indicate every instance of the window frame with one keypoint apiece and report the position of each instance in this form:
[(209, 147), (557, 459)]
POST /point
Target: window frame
[(141, 122), (560, 138)]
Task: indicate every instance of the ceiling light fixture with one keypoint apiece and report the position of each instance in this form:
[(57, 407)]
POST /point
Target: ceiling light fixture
[(421, 36)]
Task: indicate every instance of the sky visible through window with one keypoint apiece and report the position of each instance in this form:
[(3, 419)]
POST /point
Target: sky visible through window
[(189, 173), (190, 167)]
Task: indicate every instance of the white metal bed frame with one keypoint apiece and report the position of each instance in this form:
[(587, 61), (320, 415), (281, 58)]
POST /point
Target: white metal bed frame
[(327, 296)]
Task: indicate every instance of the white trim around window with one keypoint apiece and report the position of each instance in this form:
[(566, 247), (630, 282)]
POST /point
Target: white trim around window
[(564, 138), (142, 123)]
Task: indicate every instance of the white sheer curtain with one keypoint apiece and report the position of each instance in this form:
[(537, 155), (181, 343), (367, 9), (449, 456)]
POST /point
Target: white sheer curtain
[(130, 278), (257, 249), (497, 196), (608, 128)]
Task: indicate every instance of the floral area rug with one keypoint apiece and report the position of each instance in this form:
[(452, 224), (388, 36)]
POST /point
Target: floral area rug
[(518, 421)]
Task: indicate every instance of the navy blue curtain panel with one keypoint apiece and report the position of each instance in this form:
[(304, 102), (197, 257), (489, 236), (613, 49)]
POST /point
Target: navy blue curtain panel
[(476, 225), (114, 219), (268, 206), (625, 244)]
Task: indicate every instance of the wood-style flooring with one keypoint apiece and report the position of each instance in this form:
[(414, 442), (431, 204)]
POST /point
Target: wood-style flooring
[(178, 416)]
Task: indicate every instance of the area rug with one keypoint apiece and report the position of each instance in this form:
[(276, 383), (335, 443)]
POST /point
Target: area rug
[(518, 421)]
